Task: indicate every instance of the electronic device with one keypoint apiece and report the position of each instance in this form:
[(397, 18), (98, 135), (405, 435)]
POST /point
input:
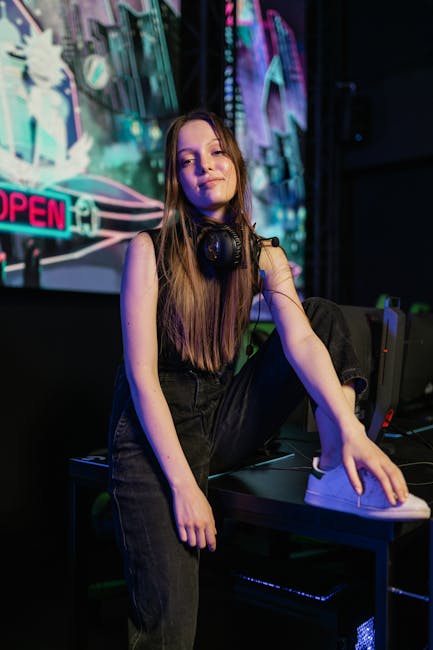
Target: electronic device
[(390, 367)]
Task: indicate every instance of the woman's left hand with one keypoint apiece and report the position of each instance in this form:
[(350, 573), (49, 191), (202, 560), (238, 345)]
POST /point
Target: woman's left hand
[(361, 452)]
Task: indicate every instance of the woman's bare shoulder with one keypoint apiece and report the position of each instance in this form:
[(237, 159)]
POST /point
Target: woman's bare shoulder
[(141, 245), (141, 240), (140, 253)]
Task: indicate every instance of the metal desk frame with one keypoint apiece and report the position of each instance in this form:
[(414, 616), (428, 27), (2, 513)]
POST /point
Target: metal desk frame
[(265, 496), (260, 497)]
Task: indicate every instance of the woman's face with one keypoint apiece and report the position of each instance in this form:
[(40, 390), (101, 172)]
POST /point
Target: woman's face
[(207, 175)]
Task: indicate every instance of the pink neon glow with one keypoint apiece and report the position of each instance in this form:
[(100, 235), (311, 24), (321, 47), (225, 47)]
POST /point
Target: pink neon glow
[(17, 203), (37, 211), (51, 213), (121, 216), (141, 200), (296, 71), (77, 255)]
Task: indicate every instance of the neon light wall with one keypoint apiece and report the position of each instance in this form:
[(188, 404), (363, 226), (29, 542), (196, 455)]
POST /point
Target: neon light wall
[(86, 91), (266, 103)]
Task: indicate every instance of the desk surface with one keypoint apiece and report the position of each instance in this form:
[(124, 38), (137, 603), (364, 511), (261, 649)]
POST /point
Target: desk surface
[(272, 494)]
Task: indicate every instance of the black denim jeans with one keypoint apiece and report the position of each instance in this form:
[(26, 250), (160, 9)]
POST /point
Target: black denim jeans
[(221, 419)]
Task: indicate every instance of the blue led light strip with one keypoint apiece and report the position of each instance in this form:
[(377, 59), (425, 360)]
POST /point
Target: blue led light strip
[(291, 590)]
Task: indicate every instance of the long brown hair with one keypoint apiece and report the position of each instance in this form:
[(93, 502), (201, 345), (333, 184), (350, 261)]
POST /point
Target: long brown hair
[(203, 316)]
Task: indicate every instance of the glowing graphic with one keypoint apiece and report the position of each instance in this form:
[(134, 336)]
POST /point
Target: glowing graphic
[(268, 105), (96, 71), (86, 92), (39, 133)]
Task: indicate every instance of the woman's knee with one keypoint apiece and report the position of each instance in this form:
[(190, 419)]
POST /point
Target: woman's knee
[(327, 319), (322, 306), (329, 323)]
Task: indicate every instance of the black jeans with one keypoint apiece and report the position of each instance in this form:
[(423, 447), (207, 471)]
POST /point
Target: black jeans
[(220, 420)]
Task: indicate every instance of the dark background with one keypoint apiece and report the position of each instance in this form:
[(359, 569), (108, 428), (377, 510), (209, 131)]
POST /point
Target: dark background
[(372, 236), (387, 180)]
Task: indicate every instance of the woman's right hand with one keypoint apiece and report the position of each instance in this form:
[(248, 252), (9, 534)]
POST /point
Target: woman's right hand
[(194, 517)]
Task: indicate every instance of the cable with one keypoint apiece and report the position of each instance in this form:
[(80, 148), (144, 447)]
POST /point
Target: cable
[(419, 462), (295, 449), (414, 434), (285, 469)]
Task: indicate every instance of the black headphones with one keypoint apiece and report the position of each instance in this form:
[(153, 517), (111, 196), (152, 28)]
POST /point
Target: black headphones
[(220, 246)]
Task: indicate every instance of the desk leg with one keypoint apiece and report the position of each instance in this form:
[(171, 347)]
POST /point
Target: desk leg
[(74, 641), (77, 573), (430, 585), (381, 608)]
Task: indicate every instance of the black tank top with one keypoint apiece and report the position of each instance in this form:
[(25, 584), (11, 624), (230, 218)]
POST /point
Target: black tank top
[(169, 358)]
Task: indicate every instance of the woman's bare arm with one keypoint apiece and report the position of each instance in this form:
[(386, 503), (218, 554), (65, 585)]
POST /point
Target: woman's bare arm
[(139, 295)]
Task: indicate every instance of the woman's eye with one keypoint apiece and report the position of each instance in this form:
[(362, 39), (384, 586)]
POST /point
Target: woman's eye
[(186, 162)]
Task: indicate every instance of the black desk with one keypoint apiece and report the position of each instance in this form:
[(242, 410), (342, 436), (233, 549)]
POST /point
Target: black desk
[(271, 495)]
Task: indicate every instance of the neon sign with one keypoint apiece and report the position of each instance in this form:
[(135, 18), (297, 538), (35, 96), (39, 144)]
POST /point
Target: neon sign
[(229, 68), (42, 213)]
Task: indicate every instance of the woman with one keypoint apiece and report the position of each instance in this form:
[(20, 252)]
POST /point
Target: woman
[(180, 411)]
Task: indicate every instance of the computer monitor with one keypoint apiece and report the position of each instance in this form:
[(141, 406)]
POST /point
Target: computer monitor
[(378, 336), (389, 368), (416, 388)]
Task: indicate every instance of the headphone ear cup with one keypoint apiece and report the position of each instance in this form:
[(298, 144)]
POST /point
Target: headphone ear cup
[(220, 247)]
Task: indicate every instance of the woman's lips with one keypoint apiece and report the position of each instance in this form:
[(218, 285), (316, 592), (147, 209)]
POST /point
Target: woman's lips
[(210, 183)]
